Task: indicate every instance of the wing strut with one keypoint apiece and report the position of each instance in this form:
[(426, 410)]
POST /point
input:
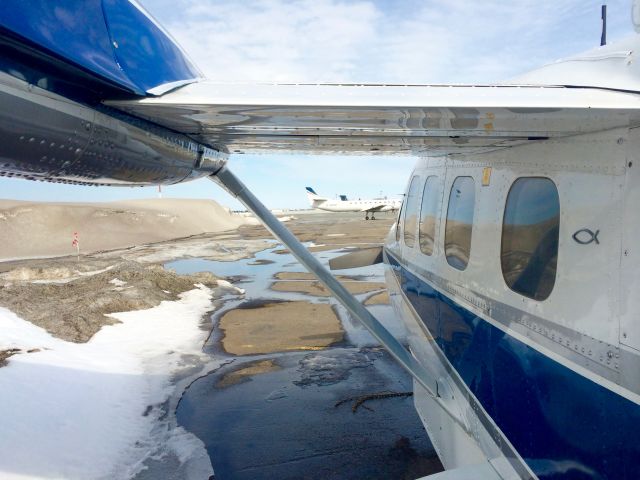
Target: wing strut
[(232, 184)]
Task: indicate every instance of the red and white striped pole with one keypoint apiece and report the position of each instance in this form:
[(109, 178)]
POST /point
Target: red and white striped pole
[(76, 243)]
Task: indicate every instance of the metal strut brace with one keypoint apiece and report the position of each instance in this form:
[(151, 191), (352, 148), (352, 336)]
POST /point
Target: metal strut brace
[(232, 184)]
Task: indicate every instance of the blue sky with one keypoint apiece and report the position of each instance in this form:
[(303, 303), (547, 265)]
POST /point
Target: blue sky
[(413, 41)]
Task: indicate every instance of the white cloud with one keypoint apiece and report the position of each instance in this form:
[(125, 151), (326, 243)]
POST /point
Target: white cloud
[(275, 40), (412, 41)]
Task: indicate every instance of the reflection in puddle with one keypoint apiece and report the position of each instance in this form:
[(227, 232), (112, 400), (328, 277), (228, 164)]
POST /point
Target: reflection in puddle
[(279, 326), (245, 373), (270, 414), (316, 289), (284, 423), (258, 282), (381, 298), (261, 262)]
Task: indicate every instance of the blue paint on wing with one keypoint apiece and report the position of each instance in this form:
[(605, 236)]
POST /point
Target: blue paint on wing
[(143, 50), (112, 39)]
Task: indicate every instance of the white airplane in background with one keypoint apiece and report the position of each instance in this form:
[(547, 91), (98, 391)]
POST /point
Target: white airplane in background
[(512, 263), (344, 205)]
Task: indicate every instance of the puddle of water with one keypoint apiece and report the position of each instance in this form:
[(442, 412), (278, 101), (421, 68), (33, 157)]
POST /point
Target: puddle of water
[(280, 422), (284, 423), (257, 280)]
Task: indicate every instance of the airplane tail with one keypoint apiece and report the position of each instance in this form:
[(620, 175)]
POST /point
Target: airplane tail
[(314, 198)]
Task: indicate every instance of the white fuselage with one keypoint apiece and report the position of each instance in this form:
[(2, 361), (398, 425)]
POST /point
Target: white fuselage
[(382, 205), (489, 346)]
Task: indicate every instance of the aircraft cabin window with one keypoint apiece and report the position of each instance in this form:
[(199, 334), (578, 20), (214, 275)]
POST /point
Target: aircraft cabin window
[(429, 215), (530, 232), (457, 233), (411, 212)]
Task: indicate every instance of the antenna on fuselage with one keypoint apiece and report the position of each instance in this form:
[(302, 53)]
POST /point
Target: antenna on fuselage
[(603, 16)]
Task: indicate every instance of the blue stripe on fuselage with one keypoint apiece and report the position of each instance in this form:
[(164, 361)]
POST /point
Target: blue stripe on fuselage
[(563, 424)]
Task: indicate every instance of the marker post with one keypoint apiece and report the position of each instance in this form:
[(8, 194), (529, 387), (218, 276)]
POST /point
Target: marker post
[(76, 243)]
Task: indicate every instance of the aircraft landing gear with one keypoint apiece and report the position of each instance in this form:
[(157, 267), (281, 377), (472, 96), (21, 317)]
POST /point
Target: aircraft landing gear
[(366, 216), (372, 216)]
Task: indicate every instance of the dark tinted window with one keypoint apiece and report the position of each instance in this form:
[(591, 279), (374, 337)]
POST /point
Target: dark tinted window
[(457, 234), (429, 215), (411, 212), (530, 233)]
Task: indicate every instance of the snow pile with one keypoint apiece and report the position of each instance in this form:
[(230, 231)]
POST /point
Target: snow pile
[(94, 410), (227, 250), (117, 282), (230, 286), (48, 274)]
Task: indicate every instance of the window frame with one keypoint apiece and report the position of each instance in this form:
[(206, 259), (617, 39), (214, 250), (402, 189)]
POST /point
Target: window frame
[(438, 214), (502, 239), (473, 218), (416, 179), (400, 221)]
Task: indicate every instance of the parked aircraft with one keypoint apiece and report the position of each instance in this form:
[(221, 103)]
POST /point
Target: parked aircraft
[(512, 263), (368, 206)]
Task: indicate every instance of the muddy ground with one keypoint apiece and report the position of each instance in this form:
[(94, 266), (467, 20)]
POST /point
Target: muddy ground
[(71, 297)]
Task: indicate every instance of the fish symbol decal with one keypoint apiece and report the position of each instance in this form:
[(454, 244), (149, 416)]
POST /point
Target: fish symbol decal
[(586, 236)]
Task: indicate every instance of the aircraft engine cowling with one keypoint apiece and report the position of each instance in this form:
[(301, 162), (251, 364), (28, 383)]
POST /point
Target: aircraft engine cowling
[(46, 137)]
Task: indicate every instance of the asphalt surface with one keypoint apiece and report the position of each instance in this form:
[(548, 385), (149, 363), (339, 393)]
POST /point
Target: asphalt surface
[(292, 414)]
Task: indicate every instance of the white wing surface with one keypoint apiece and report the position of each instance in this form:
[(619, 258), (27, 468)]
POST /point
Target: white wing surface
[(388, 119), (373, 208)]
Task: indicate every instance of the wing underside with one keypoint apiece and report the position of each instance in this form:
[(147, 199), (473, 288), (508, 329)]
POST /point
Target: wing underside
[(374, 208), (386, 119)]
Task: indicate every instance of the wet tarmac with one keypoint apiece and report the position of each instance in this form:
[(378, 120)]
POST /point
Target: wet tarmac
[(280, 414), (284, 423)]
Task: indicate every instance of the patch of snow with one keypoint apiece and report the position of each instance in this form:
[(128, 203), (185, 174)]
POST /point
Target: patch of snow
[(117, 282), (95, 272), (66, 280), (48, 275), (227, 250), (230, 286), (81, 411), (36, 275)]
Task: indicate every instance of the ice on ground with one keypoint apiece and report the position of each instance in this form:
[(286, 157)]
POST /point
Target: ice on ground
[(92, 410), (227, 250), (96, 272), (55, 274), (230, 286), (117, 282)]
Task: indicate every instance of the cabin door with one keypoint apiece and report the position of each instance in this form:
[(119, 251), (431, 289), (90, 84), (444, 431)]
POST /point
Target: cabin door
[(630, 249)]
